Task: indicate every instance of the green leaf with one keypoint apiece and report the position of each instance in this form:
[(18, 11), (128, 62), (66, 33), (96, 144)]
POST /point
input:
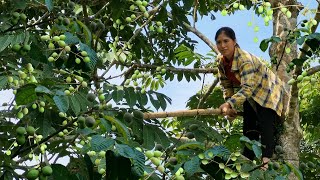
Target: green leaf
[(71, 39), (125, 150), (192, 166), (220, 151), (191, 145), (75, 104), (49, 4), (62, 103), (99, 143), (59, 172), (139, 163), (5, 41), (121, 128), (87, 32), (299, 62), (26, 94), (152, 134), (245, 139), (162, 101), (3, 82), (264, 45), (301, 40), (154, 102), (257, 150), (117, 95), (42, 89), (295, 170), (130, 96), (142, 99)]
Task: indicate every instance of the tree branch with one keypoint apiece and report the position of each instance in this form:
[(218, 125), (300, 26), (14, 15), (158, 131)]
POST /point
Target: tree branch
[(185, 113), (200, 35), (313, 70), (206, 95)]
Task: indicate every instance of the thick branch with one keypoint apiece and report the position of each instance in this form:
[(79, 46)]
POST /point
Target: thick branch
[(313, 70), (177, 70), (200, 35), (182, 113)]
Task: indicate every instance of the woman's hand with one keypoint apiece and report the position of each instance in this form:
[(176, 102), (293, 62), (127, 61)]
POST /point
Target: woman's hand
[(227, 110)]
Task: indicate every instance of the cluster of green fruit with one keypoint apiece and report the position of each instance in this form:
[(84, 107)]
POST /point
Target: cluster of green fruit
[(142, 6), (136, 114), (39, 105), (25, 76), (97, 25), (88, 121), (71, 88), (22, 49), (61, 20), (309, 23), (235, 6), (42, 174), (155, 158), (156, 26), (16, 17), (97, 158), (305, 166), (303, 77), (21, 132)]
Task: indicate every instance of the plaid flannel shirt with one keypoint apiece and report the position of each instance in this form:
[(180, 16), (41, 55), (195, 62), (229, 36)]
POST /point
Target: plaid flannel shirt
[(258, 82)]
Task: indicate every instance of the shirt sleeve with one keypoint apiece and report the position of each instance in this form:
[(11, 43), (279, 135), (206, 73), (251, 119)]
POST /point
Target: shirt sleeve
[(226, 84), (248, 80)]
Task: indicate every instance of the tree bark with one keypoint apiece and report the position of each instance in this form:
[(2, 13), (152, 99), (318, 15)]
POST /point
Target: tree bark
[(290, 138)]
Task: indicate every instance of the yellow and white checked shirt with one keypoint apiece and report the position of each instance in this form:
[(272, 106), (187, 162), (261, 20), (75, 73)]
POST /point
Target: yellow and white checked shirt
[(258, 82)]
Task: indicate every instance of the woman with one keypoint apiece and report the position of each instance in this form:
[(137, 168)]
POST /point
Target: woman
[(260, 92)]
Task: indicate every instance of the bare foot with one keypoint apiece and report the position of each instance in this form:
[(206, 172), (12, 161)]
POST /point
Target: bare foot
[(265, 162)]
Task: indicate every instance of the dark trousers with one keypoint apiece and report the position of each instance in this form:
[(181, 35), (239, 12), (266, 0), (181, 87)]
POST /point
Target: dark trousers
[(259, 123)]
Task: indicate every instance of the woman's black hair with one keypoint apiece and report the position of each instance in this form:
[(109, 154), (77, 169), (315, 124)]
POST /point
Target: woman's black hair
[(228, 31)]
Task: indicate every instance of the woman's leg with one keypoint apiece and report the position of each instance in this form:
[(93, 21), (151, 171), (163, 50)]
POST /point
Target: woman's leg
[(267, 118), (250, 127)]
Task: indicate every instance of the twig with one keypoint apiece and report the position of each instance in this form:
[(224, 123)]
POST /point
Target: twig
[(205, 96)]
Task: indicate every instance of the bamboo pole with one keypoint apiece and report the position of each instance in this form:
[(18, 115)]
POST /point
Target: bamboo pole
[(185, 113)]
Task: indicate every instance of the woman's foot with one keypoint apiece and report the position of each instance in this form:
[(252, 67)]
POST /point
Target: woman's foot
[(265, 162)]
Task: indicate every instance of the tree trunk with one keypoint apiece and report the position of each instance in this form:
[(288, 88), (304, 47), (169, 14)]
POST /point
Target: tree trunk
[(290, 138)]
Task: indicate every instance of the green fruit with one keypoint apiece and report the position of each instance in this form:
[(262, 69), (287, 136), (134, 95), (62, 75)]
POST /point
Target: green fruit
[(193, 127), (128, 19), (66, 21), (27, 47), (90, 121), (84, 53), (155, 161), (21, 131), (158, 23), (138, 114), (91, 97), (41, 109), (20, 115), (81, 119), (149, 154), (190, 135), (56, 38), (161, 169), (132, 7), (276, 165), (311, 165), (16, 15), (51, 46), (279, 149), (32, 174), (173, 161), (86, 59), (159, 30), (157, 153), (20, 139), (47, 170), (93, 26), (30, 130), (16, 47), (102, 97), (23, 16), (158, 147), (128, 117)]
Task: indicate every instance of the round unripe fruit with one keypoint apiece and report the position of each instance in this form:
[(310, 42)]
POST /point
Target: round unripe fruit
[(173, 161), (155, 161), (81, 119), (30, 130), (279, 149), (159, 147), (128, 117), (20, 115), (161, 169), (21, 139), (149, 154), (86, 59), (47, 170), (193, 127), (32, 174), (91, 97), (16, 47), (157, 153), (21, 131), (23, 16), (102, 97), (90, 121), (190, 135), (138, 114)]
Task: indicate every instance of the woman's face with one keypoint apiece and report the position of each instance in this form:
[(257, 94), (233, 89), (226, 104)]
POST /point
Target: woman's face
[(226, 45)]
